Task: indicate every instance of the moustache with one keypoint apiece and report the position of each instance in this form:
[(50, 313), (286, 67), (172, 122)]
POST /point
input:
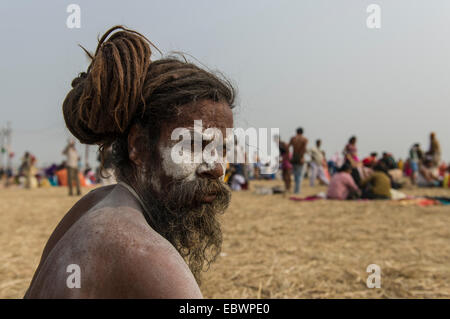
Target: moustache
[(198, 192)]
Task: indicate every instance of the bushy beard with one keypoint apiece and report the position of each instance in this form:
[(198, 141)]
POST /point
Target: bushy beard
[(189, 224)]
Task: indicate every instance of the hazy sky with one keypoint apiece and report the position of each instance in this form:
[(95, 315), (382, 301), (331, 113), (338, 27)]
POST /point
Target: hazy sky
[(312, 63)]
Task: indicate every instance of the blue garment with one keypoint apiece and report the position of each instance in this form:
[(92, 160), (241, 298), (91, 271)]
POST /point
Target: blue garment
[(239, 169), (298, 176), (332, 168)]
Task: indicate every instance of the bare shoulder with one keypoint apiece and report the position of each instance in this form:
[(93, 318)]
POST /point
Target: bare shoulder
[(119, 256), (139, 262)]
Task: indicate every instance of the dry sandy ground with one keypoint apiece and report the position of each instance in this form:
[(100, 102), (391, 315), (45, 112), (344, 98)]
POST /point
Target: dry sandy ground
[(274, 247)]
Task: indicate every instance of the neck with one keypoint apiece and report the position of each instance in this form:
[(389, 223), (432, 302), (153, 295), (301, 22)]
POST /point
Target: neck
[(145, 206)]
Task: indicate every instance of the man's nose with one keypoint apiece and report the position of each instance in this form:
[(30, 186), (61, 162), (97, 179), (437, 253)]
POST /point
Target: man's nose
[(212, 171)]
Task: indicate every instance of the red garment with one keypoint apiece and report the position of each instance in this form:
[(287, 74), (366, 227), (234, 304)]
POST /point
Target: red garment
[(369, 161), (286, 161)]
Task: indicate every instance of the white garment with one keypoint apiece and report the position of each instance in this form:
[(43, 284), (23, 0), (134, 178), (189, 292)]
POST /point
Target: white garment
[(237, 181), (317, 171), (72, 157), (316, 155)]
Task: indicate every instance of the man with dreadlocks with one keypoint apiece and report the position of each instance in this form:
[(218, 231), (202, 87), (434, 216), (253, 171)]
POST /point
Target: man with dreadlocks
[(150, 235)]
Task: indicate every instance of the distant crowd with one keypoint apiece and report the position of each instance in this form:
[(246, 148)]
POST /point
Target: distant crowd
[(346, 174), (70, 172)]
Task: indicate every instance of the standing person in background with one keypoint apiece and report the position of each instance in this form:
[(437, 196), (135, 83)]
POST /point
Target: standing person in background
[(286, 165), (351, 151), (256, 166), (25, 169), (72, 166), (32, 172), (317, 170), (298, 143), (435, 150), (415, 157), (351, 157)]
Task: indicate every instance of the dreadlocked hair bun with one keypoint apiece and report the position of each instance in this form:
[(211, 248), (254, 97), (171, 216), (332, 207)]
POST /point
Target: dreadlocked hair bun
[(105, 99)]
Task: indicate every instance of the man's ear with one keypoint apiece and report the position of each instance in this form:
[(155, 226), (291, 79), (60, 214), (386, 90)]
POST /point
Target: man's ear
[(135, 138)]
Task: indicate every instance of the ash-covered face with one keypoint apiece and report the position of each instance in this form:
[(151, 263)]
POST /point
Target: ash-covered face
[(212, 116), (185, 198)]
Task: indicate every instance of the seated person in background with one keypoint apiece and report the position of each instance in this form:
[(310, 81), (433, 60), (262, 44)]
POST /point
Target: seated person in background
[(378, 185), (426, 177), (392, 170), (371, 160), (237, 179), (442, 169), (389, 161), (400, 164), (237, 182), (365, 171), (342, 186)]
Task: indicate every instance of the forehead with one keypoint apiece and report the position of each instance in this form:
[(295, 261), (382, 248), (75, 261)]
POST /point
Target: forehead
[(212, 114)]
